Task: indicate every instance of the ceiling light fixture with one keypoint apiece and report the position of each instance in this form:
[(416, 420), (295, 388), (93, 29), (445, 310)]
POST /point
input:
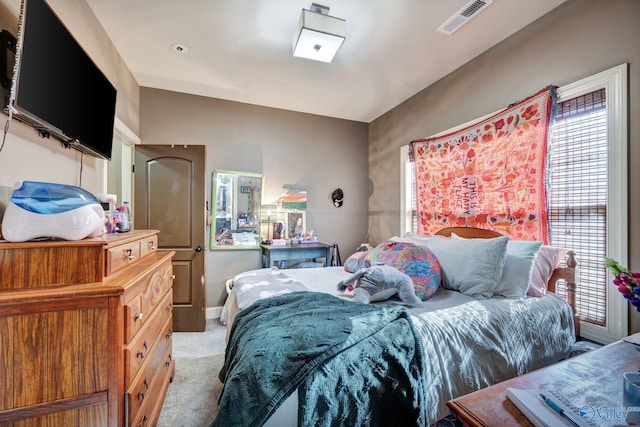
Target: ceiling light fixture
[(318, 36)]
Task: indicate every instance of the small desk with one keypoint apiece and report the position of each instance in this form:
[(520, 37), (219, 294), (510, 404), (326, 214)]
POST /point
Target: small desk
[(271, 254), (589, 382)]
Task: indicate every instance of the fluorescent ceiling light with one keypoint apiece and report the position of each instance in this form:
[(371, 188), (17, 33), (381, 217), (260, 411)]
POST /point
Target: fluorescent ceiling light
[(319, 36)]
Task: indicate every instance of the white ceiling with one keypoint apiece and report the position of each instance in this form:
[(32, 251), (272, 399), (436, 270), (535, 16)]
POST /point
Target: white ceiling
[(240, 50)]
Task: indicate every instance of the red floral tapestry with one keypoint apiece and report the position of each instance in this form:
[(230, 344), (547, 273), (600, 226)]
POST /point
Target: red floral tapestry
[(492, 174)]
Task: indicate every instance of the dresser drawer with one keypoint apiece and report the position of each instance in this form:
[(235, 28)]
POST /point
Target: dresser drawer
[(148, 245), (157, 362), (147, 295), (150, 407), (159, 283), (122, 256), (139, 349), (134, 318)]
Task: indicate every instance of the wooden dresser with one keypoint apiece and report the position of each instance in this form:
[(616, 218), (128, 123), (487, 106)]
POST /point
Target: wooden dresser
[(85, 331)]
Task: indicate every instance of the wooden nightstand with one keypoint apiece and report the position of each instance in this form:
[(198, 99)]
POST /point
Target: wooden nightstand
[(591, 382)]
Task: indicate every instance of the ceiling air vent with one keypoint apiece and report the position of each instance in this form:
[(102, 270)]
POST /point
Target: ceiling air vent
[(461, 17)]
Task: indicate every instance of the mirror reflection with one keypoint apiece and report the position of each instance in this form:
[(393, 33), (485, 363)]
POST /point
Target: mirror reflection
[(290, 222), (235, 222), (293, 197)]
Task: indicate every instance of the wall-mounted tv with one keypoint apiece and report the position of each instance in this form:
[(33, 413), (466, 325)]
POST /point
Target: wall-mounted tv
[(58, 88)]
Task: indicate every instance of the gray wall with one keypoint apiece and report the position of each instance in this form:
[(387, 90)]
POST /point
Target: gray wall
[(315, 152), (578, 39)]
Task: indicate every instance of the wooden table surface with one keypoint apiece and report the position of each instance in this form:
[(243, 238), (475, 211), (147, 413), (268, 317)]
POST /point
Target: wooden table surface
[(591, 383)]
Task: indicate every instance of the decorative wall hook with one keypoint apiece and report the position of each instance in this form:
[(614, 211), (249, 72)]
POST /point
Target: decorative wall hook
[(337, 196)]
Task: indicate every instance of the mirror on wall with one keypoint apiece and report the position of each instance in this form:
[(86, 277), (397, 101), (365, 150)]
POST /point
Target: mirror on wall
[(236, 198), (291, 217)]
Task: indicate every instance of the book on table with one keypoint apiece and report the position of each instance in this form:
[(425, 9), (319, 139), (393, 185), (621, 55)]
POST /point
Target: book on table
[(540, 414)]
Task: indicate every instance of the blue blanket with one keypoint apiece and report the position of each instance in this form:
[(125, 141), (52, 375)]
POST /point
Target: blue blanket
[(353, 364)]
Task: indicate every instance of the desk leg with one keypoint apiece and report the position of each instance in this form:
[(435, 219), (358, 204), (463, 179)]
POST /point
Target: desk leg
[(327, 257), (266, 260)]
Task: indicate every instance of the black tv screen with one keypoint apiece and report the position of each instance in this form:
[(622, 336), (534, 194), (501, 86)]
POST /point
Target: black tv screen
[(59, 87)]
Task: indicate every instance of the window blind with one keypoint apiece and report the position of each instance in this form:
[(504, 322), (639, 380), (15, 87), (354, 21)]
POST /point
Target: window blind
[(578, 195)]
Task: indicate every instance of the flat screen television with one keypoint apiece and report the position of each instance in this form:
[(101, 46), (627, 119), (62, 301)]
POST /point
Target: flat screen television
[(58, 88)]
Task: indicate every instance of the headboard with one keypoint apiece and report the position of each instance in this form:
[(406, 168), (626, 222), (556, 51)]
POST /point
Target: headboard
[(568, 273)]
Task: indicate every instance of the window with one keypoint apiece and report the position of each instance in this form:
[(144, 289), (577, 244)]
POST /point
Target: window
[(578, 195), (588, 197)]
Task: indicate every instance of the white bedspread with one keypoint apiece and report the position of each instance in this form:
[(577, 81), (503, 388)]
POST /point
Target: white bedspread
[(479, 343), (468, 343), (265, 283)]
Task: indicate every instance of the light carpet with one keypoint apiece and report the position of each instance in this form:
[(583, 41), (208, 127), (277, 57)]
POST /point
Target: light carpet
[(192, 398)]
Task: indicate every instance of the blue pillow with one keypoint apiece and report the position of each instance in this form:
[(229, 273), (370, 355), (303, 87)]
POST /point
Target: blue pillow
[(470, 266)]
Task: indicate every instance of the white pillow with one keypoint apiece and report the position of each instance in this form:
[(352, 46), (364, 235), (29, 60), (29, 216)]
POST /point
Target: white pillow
[(416, 239), (470, 266), (518, 268), (548, 259)]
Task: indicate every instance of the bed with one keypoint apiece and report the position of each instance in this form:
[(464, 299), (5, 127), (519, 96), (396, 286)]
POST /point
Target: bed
[(296, 356)]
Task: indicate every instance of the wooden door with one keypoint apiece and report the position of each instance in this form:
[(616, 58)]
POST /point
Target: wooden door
[(169, 195)]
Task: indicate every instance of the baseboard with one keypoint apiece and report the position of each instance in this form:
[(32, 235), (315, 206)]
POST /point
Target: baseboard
[(213, 312)]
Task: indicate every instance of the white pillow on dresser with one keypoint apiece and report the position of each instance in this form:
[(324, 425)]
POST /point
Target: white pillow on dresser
[(470, 266)]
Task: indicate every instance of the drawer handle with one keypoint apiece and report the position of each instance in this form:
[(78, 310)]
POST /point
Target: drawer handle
[(169, 334), (143, 394), (173, 277), (138, 316), (152, 245), (143, 421), (168, 362), (142, 354), (129, 253)]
